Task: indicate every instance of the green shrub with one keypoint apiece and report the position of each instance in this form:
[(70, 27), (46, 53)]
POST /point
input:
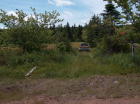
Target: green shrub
[(92, 43), (9, 58), (28, 58), (135, 37), (113, 44), (137, 26), (5, 56)]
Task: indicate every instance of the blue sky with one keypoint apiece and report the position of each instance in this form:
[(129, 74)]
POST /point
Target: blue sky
[(73, 11)]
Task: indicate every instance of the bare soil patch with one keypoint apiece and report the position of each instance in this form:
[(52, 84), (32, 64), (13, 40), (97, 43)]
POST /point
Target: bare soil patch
[(93, 90)]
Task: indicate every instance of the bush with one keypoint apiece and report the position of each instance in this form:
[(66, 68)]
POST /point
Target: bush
[(133, 37), (129, 33), (113, 44), (28, 38), (9, 58), (137, 26), (92, 43), (29, 33), (14, 59)]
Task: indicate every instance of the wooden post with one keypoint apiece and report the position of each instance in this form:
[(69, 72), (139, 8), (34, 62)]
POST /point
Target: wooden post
[(132, 48)]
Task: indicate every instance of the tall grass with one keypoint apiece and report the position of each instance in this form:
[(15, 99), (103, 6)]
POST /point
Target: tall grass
[(127, 62), (83, 65), (53, 64)]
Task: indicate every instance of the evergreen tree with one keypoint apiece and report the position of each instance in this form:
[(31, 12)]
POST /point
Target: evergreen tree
[(68, 32), (130, 9), (111, 13), (111, 17), (93, 30), (62, 39), (137, 25), (79, 33)]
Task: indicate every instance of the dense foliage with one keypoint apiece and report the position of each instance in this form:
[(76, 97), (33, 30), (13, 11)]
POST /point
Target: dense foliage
[(28, 32), (110, 33)]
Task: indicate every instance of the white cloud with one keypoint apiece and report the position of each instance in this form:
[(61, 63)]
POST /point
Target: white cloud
[(61, 2), (67, 15), (11, 13), (95, 6), (75, 17), (82, 16), (84, 21)]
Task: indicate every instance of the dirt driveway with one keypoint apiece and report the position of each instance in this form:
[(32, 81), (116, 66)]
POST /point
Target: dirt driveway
[(93, 90), (42, 99)]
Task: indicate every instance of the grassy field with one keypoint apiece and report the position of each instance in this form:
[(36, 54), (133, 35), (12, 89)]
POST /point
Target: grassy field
[(72, 65), (53, 64)]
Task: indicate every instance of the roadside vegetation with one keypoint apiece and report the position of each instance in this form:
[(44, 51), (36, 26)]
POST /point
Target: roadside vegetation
[(40, 40), (54, 64)]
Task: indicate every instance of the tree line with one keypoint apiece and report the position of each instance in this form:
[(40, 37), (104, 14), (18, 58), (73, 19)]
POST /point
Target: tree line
[(118, 27)]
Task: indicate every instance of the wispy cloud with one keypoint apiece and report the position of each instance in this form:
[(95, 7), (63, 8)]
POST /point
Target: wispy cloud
[(67, 15), (95, 6), (61, 2)]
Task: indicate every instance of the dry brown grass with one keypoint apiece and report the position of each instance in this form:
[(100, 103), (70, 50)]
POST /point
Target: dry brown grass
[(49, 46), (74, 45), (16, 49), (44, 47)]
